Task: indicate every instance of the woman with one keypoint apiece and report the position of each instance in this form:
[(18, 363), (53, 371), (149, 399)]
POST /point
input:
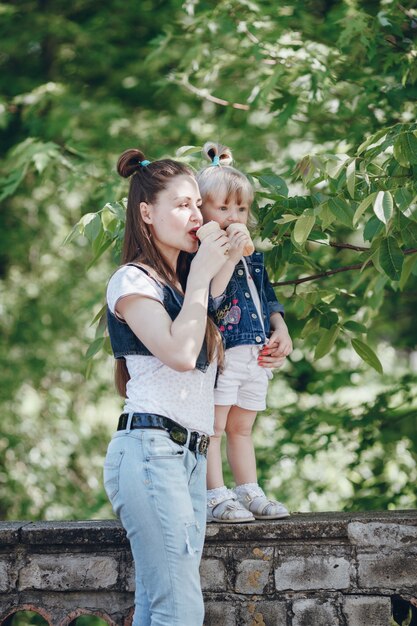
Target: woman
[(166, 351)]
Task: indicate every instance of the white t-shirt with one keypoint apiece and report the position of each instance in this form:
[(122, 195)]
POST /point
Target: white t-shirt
[(186, 397)]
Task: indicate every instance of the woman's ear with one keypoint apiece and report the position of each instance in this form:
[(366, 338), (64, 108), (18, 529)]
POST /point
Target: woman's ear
[(146, 212)]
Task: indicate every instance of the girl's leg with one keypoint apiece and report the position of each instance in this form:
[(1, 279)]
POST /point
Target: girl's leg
[(240, 448), (222, 504), (214, 456), (241, 455)]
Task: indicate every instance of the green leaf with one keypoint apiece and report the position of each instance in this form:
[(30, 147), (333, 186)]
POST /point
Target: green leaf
[(391, 258), (372, 140), (302, 228), (355, 326), (73, 234), (285, 218), (326, 216), (99, 315), (408, 265), (403, 197), (367, 354), (350, 177), (405, 149), (107, 346), (326, 341), (9, 184), (372, 228), (408, 229), (311, 327), (187, 150), (92, 226), (342, 210), (94, 347), (362, 207), (99, 249), (118, 210), (383, 206), (268, 224), (335, 165), (306, 168), (269, 179)]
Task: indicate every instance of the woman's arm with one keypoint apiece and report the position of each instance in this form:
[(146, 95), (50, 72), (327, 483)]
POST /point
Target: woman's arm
[(178, 343)]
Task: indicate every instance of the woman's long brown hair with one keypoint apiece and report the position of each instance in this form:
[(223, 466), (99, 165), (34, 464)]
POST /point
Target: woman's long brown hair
[(146, 181)]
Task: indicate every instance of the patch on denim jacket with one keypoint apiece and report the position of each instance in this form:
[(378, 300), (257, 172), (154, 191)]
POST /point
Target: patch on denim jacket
[(228, 315)]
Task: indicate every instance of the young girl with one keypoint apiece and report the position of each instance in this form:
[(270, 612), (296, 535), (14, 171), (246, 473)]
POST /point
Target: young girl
[(166, 351), (249, 316)]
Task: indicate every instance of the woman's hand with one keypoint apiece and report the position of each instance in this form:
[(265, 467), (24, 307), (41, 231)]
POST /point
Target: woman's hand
[(212, 254), (270, 361)]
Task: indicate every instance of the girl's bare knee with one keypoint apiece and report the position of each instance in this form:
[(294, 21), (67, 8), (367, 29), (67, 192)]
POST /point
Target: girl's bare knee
[(238, 431)]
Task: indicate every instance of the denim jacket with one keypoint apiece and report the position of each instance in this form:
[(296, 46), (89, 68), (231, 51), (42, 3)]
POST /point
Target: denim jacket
[(234, 311), (123, 340)]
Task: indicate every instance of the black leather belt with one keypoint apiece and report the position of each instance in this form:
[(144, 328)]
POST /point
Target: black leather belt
[(179, 434)]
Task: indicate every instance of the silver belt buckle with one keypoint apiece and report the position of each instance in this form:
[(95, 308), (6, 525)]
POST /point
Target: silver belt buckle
[(203, 444)]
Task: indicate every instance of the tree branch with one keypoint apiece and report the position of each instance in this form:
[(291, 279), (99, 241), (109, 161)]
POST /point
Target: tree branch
[(204, 93), (345, 268), (306, 279), (335, 244), (348, 246)]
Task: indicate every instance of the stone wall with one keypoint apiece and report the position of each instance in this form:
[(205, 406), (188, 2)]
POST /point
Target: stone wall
[(326, 569)]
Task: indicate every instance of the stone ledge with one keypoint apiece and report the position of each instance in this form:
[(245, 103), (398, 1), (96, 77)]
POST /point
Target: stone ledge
[(299, 527), (338, 569)]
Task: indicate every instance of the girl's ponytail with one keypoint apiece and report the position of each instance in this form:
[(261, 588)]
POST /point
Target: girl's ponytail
[(211, 150)]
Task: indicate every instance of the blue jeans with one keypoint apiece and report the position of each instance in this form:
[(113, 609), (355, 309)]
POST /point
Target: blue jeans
[(158, 490)]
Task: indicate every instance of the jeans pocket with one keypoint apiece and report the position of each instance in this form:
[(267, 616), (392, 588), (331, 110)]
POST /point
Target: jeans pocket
[(162, 447), (111, 473)]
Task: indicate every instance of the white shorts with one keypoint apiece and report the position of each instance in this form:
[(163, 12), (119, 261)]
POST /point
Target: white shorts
[(243, 382)]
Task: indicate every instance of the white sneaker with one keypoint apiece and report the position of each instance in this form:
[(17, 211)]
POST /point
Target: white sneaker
[(252, 497), (226, 509)]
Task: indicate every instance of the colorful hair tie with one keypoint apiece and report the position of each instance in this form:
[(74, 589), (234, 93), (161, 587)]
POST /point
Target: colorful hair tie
[(216, 160), (144, 163)]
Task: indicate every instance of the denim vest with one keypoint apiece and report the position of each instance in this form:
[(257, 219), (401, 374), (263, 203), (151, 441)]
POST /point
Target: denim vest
[(234, 311), (123, 340)]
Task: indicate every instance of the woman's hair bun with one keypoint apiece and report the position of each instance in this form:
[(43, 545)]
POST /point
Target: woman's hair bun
[(212, 149), (129, 162)]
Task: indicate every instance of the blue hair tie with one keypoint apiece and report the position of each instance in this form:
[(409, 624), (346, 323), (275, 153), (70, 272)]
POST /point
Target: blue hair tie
[(216, 160), (144, 163)]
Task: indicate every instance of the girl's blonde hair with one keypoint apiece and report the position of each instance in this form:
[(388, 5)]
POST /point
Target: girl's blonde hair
[(220, 178)]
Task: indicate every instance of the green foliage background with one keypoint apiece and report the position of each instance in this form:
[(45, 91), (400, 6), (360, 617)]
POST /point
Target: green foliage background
[(318, 102)]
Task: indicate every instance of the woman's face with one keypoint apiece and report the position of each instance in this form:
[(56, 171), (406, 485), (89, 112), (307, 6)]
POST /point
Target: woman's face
[(175, 216)]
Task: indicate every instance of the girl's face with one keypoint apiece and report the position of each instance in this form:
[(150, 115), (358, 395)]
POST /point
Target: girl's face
[(225, 213), (175, 216)]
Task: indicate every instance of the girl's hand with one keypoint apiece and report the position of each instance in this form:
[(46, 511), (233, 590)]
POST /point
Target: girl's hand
[(238, 241), (278, 348), (212, 254)]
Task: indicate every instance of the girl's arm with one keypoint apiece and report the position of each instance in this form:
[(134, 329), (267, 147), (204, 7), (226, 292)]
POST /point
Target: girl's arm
[(279, 346), (280, 337), (178, 343)]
